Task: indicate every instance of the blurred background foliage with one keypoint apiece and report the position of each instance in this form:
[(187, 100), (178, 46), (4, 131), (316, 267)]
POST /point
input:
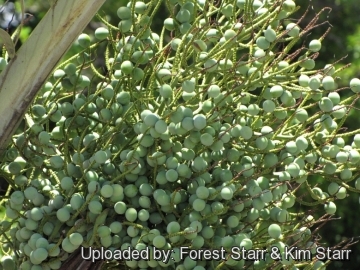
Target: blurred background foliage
[(342, 41)]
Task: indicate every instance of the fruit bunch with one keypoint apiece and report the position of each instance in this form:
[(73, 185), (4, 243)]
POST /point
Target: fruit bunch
[(204, 135)]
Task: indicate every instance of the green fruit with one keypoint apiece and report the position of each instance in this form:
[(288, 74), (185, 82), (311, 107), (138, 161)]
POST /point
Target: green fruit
[(212, 35), (67, 246), (345, 174), (8, 262), (301, 115), (63, 215), (17, 197), (164, 74), (246, 243), (175, 43), (131, 214), (270, 35), (293, 30), (95, 207), (199, 121), (330, 208), (227, 10), (76, 201), (140, 57), (355, 85), (341, 194), (315, 45), (101, 33), (127, 67), (274, 231), (335, 97), (289, 5), (259, 54), (53, 250), (276, 91), (166, 91), (206, 139), (120, 208), (211, 65), (262, 42), (140, 7), (199, 164), (304, 80), (269, 106), (125, 25), (138, 74), (225, 64), (36, 214), (76, 239), (185, 28), (100, 157), (56, 162), (199, 45), (171, 175), (302, 143), (70, 69), (3, 63), (107, 191), (40, 254), (283, 64), (226, 193), (124, 13), (229, 34), (329, 70), (325, 104), (183, 16), (261, 143), (314, 82), (253, 109), (246, 132), (84, 41), (169, 24), (307, 63), (328, 83)]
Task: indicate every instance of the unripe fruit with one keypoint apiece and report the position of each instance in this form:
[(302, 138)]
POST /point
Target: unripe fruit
[(307, 63), (125, 25), (314, 83), (315, 45), (276, 91), (3, 63), (270, 34), (293, 29), (262, 43), (304, 80), (166, 91), (183, 16), (330, 208), (169, 24), (274, 231), (339, 111), (127, 67), (269, 106), (140, 7), (124, 13), (355, 85), (101, 33), (325, 104), (211, 65), (84, 40), (229, 34), (328, 83)]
